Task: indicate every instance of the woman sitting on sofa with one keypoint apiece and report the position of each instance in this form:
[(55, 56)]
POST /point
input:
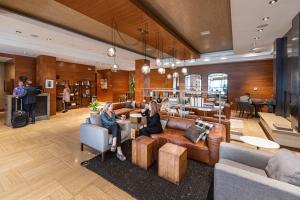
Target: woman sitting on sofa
[(153, 120), (112, 122)]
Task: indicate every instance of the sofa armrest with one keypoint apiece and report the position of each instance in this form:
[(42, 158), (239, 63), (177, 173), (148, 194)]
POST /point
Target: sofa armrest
[(94, 136), (215, 137), (250, 157), (231, 183)]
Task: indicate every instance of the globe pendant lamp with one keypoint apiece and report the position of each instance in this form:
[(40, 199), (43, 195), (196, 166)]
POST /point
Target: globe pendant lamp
[(161, 70), (145, 69), (184, 70), (115, 68), (175, 75), (111, 51), (173, 65), (169, 76)]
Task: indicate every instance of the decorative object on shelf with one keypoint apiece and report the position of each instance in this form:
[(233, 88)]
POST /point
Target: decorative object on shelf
[(161, 70), (169, 76), (132, 87), (145, 67), (175, 75), (158, 100), (49, 84), (103, 83)]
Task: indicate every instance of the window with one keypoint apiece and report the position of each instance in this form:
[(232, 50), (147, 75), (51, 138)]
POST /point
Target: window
[(218, 82), (193, 82)]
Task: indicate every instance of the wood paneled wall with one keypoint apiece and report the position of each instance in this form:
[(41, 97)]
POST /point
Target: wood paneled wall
[(46, 70), (75, 72), (242, 77), (117, 82)]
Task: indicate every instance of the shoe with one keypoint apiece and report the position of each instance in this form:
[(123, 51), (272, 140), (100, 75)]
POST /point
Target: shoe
[(113, 148), (121, 157)]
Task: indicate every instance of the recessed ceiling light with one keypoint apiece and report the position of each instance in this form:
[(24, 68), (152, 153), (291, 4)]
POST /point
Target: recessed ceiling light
[(204, 33), (206, 59), (224, 58), (48, 39), (19, 32), (272, 2), (256, 38), (265, 18), (260, 30), (34, 35), (24, 52), (295, 38), (192, 60), (262, 26)]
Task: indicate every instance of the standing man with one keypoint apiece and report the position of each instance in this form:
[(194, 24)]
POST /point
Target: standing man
[(29, 100)]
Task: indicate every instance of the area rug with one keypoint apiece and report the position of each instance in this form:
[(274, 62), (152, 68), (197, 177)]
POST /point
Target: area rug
[(147, 185)]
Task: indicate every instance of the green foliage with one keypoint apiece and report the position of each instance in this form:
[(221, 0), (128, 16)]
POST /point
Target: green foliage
[(94, 106), (132, 87)]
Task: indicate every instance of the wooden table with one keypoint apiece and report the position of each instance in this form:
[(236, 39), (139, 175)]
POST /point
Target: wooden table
[(142, 151), (138, 120), (260, 142), (172, 162)]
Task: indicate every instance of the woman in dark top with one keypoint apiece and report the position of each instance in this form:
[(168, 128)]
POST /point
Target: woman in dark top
[(153, 120), (112, 122)]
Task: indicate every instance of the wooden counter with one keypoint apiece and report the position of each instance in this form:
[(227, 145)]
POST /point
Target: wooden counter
[(282, 137)]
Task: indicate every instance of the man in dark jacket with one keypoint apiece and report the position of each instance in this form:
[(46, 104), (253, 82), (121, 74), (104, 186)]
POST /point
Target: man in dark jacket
[(29, 100)]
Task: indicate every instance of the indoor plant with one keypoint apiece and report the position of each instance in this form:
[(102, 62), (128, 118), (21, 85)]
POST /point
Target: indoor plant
[(94, 107), (132, 87)]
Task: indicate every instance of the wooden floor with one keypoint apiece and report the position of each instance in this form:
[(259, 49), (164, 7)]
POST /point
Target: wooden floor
[(42, 161)]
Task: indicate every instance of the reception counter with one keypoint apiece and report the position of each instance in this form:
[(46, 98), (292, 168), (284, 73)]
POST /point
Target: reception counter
[(42, 109)]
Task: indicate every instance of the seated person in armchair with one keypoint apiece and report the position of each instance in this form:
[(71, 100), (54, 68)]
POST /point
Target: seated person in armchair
[(112, 122), (153, 120)]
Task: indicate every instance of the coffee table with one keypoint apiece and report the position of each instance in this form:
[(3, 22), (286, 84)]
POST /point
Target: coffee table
[(172, 162), (260, 142), (142, 151)]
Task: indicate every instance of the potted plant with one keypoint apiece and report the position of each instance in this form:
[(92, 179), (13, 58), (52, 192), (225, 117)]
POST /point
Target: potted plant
[(132, 87), (94, 107)]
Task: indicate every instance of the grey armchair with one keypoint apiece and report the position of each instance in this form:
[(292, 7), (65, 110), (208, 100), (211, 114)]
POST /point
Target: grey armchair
[(97, 137), (240, 175)]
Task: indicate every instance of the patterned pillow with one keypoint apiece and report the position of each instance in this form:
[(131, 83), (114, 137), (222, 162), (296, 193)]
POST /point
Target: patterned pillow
[(195, 133), (206, 125)]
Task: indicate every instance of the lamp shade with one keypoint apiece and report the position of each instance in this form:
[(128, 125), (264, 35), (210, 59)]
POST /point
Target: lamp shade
[(161, 70), (145, 69), (111, 51)]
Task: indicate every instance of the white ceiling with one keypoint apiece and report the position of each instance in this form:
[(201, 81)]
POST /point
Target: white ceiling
[(246, 15), (53, 41)]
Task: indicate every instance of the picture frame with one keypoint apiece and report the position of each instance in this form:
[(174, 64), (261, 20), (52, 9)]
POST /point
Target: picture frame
[(49, 84)]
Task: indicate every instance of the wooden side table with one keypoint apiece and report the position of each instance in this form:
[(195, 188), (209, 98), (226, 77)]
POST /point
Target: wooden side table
[(172, 162), (142, 151)]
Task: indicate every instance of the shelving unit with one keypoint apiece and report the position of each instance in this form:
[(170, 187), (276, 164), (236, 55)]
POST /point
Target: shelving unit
[(81, 93)]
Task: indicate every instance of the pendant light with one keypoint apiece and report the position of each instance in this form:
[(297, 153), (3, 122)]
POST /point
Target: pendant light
[(145, 67), (161, 70), (175, 75), (169, 76), (173, 63), (184, 70), (115, 67), (111, 51), (159, 62)]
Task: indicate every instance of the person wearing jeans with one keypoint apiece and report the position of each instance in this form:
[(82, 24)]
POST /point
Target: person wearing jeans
[(112, 122)]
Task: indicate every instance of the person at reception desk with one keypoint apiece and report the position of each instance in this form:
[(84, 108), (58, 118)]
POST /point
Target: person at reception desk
[(19, 90), (153, 120), (29, 100), (246, 98)]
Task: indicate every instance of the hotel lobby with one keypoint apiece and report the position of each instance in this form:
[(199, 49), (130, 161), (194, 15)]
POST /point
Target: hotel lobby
[(149, 99)]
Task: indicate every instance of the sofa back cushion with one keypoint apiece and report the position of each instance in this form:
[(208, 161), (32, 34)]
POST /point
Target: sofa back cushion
[(180, 123), (119, 105), (95, 119)]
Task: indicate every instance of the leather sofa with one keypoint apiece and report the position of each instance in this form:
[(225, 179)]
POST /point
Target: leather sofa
[(207, 152), (124, 108)]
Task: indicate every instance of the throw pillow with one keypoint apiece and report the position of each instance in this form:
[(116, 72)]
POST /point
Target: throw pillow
[(95, 119), (206, 125), (194, 133), (285, 166), (163, 123)]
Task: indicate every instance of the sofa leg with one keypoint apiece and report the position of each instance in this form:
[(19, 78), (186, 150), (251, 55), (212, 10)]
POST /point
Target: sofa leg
[(102, 156), (81, 146)]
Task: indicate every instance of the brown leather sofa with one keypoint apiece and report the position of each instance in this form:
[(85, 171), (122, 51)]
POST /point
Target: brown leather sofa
[(207, 152), (124, 108)]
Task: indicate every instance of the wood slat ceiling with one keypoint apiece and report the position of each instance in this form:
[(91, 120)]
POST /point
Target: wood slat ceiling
[(130, 15), (178, 22)]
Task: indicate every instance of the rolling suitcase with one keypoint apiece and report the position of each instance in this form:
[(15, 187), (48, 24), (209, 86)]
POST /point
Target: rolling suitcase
[(19, 117)]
